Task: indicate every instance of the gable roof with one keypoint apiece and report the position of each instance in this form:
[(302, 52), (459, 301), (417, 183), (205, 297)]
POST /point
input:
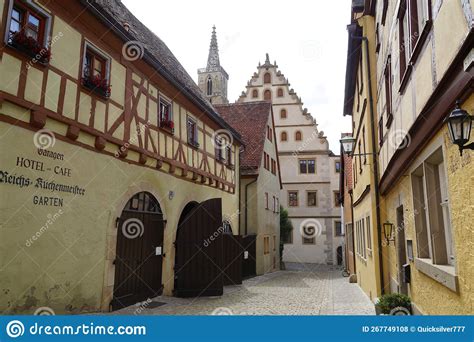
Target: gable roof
[(114, 14), (250, 120)]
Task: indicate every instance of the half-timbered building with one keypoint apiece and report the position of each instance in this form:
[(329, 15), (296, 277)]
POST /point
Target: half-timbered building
[(113, 188)]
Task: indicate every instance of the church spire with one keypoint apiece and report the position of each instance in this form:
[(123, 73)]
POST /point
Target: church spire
[(213, 59)]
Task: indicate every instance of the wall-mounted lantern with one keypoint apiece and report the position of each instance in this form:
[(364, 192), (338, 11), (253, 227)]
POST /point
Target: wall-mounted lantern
[(347, 144), (459, 127), (388, 232)]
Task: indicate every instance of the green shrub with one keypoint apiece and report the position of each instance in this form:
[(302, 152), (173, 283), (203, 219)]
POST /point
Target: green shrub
[(390, 301)]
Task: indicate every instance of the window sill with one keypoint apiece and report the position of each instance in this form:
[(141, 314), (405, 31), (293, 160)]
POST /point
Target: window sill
[(168, 130), (193, 144), (95, 90), (24, 51), (443, 274)]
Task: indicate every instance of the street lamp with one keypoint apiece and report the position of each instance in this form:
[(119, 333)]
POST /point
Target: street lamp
[(459, 127), (348, 144), (388, 232)]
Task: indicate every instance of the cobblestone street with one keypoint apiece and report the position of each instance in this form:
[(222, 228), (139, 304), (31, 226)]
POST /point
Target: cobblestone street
[(302, 289)]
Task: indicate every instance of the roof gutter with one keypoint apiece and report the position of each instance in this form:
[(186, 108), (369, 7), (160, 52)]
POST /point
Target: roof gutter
[(120, 31)]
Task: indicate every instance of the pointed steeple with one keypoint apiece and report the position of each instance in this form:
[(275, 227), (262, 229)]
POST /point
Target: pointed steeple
[(213, 62)]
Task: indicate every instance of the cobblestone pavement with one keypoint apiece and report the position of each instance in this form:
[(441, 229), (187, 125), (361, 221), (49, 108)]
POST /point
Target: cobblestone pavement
[(302, 289)]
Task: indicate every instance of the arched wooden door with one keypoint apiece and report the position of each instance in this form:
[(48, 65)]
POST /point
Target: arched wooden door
[(198, 261), (139, 254)]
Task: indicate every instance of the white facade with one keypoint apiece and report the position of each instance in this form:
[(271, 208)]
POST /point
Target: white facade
[(304, 144)]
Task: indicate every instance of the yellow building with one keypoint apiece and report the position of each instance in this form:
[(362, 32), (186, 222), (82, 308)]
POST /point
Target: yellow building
[(424, 57), (360, 103), (107, 146), (260, 184)]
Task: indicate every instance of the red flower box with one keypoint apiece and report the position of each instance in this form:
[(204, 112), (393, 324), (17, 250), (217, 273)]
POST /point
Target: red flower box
[(97, 84), (31, 47)]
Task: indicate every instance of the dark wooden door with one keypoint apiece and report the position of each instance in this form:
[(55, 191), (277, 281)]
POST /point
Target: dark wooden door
[(198, 263), (249, 263), (233, 257), (138, 262)]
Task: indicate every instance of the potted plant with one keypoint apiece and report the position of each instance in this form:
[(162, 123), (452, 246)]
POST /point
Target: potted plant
[(393, 304), (30, 46)]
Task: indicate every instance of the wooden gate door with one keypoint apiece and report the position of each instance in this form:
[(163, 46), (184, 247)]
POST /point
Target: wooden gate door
[(249, 263), (138, 261), (233, 257), (198, 263)]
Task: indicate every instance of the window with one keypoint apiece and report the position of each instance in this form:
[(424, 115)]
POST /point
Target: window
[(403, 39), (192, 132), (254, 93), (228, 152), (338, 228), (292, 198), (384, 11), (280, 92), (269, 133), (283, 114), (312, 199), (338, 166), (265, 160), (364, 246), (377, 39), (274, 243), (267, 95), (209, 86), (369, 234), (337, 201), (381, 131), (298, 136), (388, 90), (266, 245), (266, 201), (95, 71), (309, 241), (166, 116), (278, 205), (274, 204), (432, 213), (307, 166), (267, 78), (360, 157), (274, 166), (283, 136), (27, 22), (220, 147)]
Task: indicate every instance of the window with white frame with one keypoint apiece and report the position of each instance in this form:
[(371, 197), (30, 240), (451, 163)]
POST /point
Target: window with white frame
[(432, 214)]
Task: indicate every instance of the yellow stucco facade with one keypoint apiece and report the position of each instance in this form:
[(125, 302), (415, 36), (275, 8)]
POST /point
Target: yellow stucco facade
[(58, 247)]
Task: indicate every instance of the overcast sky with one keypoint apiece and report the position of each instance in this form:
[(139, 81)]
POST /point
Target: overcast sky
[(308, 40)]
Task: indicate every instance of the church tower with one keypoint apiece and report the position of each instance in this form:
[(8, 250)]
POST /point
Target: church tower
[(213, 79)]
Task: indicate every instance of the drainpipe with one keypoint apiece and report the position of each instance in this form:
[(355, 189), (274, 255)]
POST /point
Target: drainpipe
[(375, 161), (246, 197)]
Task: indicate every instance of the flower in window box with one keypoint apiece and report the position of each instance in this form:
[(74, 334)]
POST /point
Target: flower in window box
[(97, 84), (167, 124), (30, 46)]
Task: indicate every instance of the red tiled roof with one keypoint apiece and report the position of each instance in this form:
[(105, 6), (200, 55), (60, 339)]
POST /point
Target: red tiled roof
[(250, 121)]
